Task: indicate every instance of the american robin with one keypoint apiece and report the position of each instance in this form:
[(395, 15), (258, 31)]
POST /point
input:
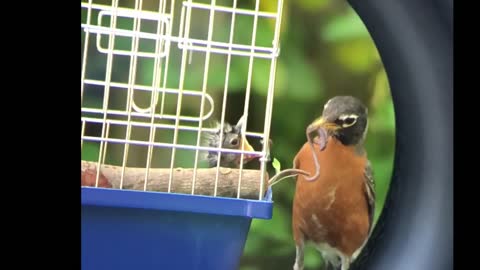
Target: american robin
[(335, 209), (232, 138)]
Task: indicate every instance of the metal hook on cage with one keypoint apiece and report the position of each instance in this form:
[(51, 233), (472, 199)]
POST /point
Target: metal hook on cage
[(166, 20), (150, 108), (204, 117), (156, 92), (185, 45)]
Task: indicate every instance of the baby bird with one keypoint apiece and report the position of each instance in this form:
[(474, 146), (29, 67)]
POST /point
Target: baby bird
[(232, 138)]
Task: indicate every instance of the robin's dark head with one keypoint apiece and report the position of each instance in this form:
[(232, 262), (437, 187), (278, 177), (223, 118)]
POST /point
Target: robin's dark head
[(345, 118)]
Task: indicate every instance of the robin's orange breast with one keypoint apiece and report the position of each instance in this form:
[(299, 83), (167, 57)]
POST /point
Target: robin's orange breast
[(333, 207)]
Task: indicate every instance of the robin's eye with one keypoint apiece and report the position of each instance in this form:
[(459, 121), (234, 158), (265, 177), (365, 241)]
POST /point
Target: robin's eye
[(347, 120), (234, 142)]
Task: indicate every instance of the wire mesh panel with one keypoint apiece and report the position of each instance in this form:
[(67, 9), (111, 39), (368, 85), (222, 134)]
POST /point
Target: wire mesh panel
[(157, 78)]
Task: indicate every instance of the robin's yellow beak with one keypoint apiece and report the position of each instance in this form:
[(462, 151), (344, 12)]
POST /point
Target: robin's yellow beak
[(319, 130), (322, 123)]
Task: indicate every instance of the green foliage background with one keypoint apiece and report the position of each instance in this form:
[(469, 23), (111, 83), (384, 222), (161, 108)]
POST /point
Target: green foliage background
[(325, 51)]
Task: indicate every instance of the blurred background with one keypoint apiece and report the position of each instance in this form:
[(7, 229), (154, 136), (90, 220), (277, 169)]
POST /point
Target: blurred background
[(325, 51)]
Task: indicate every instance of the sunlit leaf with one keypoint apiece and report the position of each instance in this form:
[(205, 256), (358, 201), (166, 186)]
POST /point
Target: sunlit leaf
[(313, 259), (282, 230), (276, 165), (382, 169), (344, 27), (381, 90), (217, 73), (313, 5), (90, 151), (358, 55), (244, 26), (304, 83), (260, 76), (254, 241), (271, 6), (384, 117), (268, 6), (281, 81)]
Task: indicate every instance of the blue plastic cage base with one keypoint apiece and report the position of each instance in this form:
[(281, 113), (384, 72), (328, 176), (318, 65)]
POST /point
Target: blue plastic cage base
[(137, 230)]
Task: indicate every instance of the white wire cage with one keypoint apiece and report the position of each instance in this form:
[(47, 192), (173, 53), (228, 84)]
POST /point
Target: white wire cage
[(155, 74)]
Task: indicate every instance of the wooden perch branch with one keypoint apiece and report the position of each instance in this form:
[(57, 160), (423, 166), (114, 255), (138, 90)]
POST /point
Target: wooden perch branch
[(181, 181)]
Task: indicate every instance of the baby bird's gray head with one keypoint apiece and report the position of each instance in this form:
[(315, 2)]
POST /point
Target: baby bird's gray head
[(232, 138)]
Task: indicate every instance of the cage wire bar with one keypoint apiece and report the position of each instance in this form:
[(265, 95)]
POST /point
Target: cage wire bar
[(104, 23)]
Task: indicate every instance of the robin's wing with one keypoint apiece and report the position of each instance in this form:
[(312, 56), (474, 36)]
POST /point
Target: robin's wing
[(370, 192)]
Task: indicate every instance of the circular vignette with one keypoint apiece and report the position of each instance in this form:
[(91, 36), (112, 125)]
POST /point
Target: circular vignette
[(415, 41)]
